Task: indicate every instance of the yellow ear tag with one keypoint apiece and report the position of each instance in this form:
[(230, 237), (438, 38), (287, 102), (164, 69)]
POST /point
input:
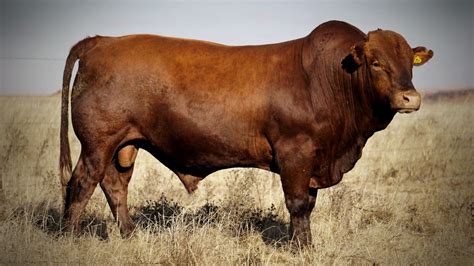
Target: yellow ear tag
[(417, 59)]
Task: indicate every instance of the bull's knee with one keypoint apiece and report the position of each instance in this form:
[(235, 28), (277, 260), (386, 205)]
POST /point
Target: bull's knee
[(127, 155), (297, 206)]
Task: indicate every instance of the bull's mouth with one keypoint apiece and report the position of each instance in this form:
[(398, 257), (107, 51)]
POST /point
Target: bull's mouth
[(406, 110)]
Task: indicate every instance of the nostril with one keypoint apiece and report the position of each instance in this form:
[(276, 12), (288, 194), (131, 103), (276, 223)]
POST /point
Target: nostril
[(406, 99)]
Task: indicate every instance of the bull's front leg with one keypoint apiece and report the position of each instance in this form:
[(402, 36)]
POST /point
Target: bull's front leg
[(295, 171), (300, 204)]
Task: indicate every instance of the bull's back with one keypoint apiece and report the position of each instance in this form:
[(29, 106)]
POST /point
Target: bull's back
[(190, 66)]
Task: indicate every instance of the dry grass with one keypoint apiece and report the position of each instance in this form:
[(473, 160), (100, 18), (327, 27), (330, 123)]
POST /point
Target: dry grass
[(410, 199)]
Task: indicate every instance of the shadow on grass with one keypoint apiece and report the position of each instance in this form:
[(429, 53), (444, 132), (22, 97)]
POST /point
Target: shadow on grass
[(49, 220), (238, 220)]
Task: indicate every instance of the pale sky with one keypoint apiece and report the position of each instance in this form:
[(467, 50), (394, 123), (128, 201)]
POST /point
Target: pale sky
[(35, 35)]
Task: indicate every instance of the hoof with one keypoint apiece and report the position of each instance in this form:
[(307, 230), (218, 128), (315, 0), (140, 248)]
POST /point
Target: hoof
[(128, 231)]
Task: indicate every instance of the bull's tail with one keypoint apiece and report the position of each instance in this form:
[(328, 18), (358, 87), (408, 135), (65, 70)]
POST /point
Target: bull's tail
[(65, 164)]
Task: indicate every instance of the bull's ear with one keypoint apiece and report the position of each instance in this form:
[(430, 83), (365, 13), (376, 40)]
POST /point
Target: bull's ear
[(421, 55), (354, 59)]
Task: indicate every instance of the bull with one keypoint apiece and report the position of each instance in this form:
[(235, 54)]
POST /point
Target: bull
[(303, 109)]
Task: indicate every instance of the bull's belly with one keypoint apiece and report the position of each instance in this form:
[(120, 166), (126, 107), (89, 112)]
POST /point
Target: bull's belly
[(201, 155)]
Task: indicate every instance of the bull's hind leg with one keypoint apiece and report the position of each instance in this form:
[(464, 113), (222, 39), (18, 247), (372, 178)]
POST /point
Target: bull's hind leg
[(115, 187), (87, 173)]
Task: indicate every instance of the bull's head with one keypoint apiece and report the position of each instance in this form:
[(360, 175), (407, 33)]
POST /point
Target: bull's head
[(389, 61)]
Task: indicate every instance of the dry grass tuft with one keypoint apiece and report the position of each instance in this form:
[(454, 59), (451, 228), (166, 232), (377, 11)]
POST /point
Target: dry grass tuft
[(409, 200)]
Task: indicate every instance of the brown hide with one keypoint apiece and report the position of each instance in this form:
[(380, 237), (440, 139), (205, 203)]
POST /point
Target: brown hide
[(303, 109)]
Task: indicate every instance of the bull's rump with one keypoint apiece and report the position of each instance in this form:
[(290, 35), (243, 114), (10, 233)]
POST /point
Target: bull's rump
[(199, 103)]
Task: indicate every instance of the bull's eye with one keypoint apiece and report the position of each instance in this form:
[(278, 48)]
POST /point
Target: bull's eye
[(376, 66)]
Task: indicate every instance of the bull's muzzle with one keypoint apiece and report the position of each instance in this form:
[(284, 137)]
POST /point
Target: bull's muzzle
[(406, 101)]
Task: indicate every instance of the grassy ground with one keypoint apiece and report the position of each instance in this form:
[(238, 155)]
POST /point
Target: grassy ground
[(410, 199)]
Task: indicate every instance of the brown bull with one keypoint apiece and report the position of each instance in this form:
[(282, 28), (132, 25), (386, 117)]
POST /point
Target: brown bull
[(303, 109)]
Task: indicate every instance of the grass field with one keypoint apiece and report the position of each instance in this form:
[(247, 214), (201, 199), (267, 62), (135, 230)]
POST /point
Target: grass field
[(409, 200)]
